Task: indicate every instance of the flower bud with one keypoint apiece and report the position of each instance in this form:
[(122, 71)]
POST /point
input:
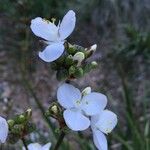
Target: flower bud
[(79, 72), (21, 119), (71, 49), (28, 113), (94, 64), (72, 70), (79, 56), (89, 67), (90, 50), (86, 91), (11, 123), (54, 109), (69, 60)]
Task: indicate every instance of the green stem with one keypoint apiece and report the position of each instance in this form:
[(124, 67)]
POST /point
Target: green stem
[(60, 140), (24, 143)]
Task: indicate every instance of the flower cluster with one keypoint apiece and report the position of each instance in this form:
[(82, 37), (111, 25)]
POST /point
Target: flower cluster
[(68, 60), (74, 109), (84, 109)]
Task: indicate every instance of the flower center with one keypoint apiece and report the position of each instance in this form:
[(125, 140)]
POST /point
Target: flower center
[(78, 102)]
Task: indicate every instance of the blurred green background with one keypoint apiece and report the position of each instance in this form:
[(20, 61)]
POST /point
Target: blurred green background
[(121, 29)]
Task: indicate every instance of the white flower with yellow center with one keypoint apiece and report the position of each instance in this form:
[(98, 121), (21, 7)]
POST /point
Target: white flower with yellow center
[(3, 130), (37, 146), (79, 106), (54, 35), (102, 123)]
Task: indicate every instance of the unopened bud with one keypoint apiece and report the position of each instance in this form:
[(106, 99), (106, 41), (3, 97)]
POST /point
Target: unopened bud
[(11, 123), (89, 67), (72, 70), (28, 113), (71, 49), (54, 109), (21, 119), (69, 60), (86, 91), (79, 56), (94, 64), (79, 73), (90, 50)]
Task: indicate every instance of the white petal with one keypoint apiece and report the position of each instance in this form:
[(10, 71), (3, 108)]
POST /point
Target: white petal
[(107, 121), (67, 25), (67, 95), (94, 103), (44, 29), (52, 52), (34, 146), (100, 140), (46, 146), (3, 130), (75, 120)]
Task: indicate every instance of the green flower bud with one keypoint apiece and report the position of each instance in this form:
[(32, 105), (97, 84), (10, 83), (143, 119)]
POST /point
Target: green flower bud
[(88, 67), (11, 123), (94, 64), (71, 49), (79, 48), (21, 119), (72, 70), (79, 72), (62, 74), (69, 60)]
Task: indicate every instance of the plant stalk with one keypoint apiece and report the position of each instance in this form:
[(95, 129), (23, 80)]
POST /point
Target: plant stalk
[(60, 140)]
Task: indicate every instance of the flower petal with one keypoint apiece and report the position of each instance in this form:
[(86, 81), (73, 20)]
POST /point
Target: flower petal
[(67, 25), (44, 29), (52, 52), (67, 95), (107, 121), (94, 103), (46, 146), (3, 130), (34, 146), (100, 140), (75, 120)]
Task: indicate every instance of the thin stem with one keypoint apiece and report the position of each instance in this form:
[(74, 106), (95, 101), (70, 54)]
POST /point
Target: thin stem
[(60, 140), (24, 143)]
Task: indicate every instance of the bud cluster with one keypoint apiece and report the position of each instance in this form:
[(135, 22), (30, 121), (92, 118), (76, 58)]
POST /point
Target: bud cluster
[(20, 126), (73, 64)]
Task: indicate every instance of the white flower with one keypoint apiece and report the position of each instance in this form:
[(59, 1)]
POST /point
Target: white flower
[(37, 146), (78, 106), (3, 130), (54, 35), (100, 124)]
